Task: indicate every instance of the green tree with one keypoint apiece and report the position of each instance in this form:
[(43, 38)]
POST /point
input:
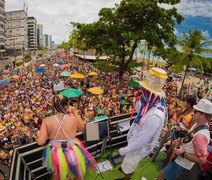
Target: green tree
[(119, 30), (193, 47), (64, 45)]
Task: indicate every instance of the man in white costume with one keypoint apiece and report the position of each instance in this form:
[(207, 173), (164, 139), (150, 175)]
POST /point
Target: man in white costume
[(147, 126)]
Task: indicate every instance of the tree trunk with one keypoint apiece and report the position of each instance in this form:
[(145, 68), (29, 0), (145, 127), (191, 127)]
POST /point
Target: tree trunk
[(145, 49), (181, 89), (121, 72)]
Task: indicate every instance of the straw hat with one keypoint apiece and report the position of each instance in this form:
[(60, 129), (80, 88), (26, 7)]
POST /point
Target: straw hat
[(204, 106), (155, 80)]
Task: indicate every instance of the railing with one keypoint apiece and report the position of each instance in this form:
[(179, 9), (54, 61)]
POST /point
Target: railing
[(27, 160)]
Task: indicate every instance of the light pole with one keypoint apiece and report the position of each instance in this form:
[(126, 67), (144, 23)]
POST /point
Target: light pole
[(71, 34)]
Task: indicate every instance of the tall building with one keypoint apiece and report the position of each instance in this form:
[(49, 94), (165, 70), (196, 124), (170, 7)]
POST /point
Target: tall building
[(2, 28), (47, 41), (40, 35), (32, 33), (16, 32)]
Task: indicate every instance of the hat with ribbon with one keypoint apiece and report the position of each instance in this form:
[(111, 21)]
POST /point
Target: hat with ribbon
[(204, 106), (155, 80)]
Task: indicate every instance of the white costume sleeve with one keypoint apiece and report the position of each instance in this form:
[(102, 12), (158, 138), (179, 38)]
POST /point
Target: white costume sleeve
[(147, 131)]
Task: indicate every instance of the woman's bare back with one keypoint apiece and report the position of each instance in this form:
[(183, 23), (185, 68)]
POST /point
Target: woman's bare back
[(69, 124)]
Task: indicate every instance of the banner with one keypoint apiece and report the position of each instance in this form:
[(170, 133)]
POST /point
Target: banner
[(59, 86)]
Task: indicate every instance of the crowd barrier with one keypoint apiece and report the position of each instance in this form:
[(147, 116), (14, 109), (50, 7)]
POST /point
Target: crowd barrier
[(27, 160)]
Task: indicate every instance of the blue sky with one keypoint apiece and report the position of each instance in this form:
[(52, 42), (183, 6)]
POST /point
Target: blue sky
[(195, 22)]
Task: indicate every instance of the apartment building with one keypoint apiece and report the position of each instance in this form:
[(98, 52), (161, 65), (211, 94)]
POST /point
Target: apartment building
[(2, 28), (47, 41), (32, 34), (40, 35), (16, 32)]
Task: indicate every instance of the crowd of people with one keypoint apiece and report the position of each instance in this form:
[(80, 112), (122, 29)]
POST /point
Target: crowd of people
[(27, 100)]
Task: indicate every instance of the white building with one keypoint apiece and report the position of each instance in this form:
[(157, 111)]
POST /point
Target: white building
[(2, 28), (47, 41), (40, 35), (16, 32), (32, 33)]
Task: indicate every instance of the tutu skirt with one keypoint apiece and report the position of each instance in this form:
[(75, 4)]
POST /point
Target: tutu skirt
[(70, 162)]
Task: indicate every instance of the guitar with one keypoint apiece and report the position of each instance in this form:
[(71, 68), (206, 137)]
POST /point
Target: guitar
[(171, 151), (188, 137)]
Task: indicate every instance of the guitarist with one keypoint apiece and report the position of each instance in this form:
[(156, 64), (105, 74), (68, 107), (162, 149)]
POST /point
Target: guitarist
[(194, 151)]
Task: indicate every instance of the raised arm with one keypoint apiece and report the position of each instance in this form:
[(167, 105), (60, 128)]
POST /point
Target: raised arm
[(41, 140), (80, 124)]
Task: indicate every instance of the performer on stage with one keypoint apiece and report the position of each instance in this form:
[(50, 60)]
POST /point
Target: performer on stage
[(195, 150), (147, 126), (65, 156)]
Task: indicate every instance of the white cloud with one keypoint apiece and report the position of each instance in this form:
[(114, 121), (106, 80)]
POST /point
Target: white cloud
[(194, 7), (54, 14), (175, 31), (206, 34)]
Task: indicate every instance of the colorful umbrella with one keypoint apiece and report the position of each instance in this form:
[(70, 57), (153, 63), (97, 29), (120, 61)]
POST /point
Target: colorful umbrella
[(96, 90), (92, 74), (77, 76), (42, 65), (65, 74), (40, 70), (64, 65), (4, 82), (71, 92), (134, 84), (55, 64), (5, 76), (14, 77), (6, 71)]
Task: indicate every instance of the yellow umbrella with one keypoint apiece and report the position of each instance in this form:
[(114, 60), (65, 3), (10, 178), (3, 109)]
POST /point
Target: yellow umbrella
[(77, 76), (96, 90), (4, 76), (92, 74)]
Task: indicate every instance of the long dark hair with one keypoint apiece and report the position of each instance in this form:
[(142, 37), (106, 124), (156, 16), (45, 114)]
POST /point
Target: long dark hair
[(60, 102)]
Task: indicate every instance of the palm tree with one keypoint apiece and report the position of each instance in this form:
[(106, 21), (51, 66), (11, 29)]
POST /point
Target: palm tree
[(193, 47)]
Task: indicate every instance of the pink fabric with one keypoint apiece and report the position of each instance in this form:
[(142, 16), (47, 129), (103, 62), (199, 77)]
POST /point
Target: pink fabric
[(200, 143)]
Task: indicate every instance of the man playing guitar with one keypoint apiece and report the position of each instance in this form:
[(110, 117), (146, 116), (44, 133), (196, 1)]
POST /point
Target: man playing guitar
[(194, 151)]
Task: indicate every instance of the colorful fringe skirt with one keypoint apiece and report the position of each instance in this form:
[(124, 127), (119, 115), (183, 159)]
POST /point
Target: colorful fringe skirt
[(69, 162)]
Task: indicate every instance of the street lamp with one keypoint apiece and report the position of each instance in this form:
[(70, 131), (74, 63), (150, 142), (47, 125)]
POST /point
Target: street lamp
[(71, 34)]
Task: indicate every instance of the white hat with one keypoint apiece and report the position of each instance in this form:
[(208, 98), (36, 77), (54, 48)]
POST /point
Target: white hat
[(155, 81), (204, 106)]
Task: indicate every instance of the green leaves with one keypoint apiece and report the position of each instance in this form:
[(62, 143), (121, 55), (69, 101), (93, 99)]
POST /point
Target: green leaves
[(119, 29)]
